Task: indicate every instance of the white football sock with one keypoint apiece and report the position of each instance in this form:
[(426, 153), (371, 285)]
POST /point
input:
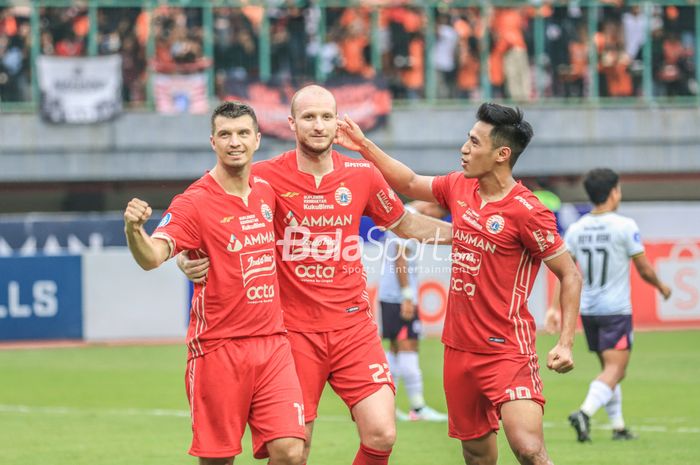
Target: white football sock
[(412, 378), (393, 367), (599, 394), (614, 409)]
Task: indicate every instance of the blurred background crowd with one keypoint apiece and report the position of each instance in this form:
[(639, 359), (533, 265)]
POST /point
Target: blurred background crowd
[(300, 41)]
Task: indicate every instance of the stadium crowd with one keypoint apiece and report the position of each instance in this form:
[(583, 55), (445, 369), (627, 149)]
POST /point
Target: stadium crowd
[(296, 49)]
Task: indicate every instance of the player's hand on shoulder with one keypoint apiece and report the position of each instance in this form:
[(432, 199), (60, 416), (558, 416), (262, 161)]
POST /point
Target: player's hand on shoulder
[(137, 213), (195, 269), (560, 359), (665, 291), (349, 134)]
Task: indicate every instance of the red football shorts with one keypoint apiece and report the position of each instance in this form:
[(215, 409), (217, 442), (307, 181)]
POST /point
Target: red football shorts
[(352, 360), (249, 380), (477, 385)]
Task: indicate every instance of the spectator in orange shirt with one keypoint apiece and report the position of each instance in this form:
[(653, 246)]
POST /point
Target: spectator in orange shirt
[(468, 57), (509, 61), (671, 65), (613, 62)]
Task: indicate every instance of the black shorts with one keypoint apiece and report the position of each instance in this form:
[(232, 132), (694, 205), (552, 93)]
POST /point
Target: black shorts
[(396, 328), (608, 332)]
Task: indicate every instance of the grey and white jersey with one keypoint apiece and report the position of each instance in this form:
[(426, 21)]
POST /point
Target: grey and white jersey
[(389, 287), (603, 245)]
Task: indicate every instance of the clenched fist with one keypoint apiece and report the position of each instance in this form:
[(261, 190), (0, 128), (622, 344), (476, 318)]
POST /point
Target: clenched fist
[(560, 359), (136, 214)]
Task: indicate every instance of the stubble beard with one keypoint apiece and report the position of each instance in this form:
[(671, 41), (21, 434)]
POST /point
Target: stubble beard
[(315, 151), (235, 168)]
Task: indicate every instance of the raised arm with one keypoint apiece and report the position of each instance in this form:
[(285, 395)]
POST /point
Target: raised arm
[(646, 271), (149, 253), (560, 358), (399, 176), (424, 228)]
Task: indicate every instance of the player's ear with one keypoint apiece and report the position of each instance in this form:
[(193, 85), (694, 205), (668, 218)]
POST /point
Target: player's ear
[(211, 141), (292, 126), (504, 154), (258, 137)]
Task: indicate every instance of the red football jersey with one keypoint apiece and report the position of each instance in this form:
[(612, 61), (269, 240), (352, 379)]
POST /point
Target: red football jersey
[(240, 296), (322, 280), (497, 250)]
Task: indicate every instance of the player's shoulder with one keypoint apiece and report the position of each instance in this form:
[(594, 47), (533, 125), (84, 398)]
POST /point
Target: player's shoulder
[(194, 193), (263, 188), (455, 180), (259, 180), (200, 187), (622, 223), (526, 204), (576, 227), (583, 223), (270, 166), (456, 177)]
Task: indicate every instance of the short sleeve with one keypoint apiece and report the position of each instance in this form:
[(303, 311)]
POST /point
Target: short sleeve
[(442, 188), (383, 205), (633, 240), (179, 226), (540, 236)]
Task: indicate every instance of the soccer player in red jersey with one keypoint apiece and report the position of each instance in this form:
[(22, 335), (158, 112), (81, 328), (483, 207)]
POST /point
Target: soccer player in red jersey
[(501, 234), (240, 367), (321, 195)]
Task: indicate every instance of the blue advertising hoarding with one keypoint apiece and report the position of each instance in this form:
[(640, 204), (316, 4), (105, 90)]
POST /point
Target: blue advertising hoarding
[(40, 298)]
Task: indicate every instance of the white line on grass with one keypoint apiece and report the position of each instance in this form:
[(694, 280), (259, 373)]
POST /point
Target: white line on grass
[(74, 411), (26, 409)]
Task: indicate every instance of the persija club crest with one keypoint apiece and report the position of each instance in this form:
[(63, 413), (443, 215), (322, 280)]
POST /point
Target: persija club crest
[(266, 212), (495, 224), (343, 196)]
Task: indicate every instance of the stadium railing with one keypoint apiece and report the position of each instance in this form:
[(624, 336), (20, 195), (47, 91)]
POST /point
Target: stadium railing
[(661, 19)]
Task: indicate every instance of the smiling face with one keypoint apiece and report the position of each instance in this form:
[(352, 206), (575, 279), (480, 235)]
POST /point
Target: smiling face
[(479, 157), (314, 120), (234, 140)]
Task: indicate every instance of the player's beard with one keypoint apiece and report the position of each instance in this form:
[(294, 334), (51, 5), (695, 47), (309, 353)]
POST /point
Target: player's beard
[(236, 167), (315, 149)]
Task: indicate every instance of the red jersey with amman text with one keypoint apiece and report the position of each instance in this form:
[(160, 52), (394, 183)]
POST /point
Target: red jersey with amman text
[(322, 281), (240, 297), (497, 250)]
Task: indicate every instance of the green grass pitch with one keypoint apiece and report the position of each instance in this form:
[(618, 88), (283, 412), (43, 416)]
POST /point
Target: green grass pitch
[(126, 405)]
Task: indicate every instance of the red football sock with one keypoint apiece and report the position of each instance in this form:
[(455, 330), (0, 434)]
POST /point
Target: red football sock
[(368, 456)]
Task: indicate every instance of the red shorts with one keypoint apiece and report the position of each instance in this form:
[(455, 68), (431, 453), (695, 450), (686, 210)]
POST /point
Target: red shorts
[(249, 380), (352, 360), (477, 385)]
